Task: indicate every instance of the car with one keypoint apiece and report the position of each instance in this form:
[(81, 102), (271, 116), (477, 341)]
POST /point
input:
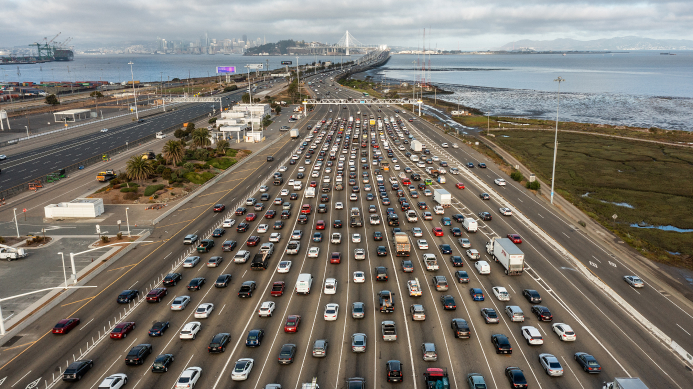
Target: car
[(482, 267), (214, 261), (532, 296), (462, 276), (377, 236), (515, 238), (266, 309), (429, 353), (286, 354), (473, 254), (499, 182), (284, 192), (485, 216), (126, 296), (353, 197), (219, 342), (77, 369), (407, 266), (542, 313), (204, 310), (284, 267), (477, 294), (247, 288), (331, 312), (241, 369), (296, 235), (551, 365), (240, 211), (460, 328), (317, 237), (338, 205), (448, 302), (219, 207), (381, 273), (292, 323), (190, 330), (228, 223), (337, 223), (155, 295), (191, 261), (358, 310), (179, 303), (250, 201), (302, 219), (293, 196), (254, 338), (634, 281), (381, 251), (505, 211), (490, 315), (422, 205), (458, 217), (445, 249), (102, 130), (501, 344), (162, 363), (356, 238), (359, 277), (588, 363), (422, 243), (275, 237), (459, 185), (484, 196), (222, 281), (270, 214), (358, 342), (196, 283), (242, 227), (360, 254), (437, 231), (456, 231), (122, 329), (501, 293), (532, 335), (138, 354), (330, 286), (417, 232), (475, 380), (252, 241), (564, 332), (516, 377), (228, 245), (313, 252), (65, 325), (336, 257), (172, 279)]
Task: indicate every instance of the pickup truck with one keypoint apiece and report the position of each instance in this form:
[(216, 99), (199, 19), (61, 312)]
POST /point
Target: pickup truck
[(411, 216), (336, 238), (389, 330), (205, 246), (387, 301), (414, 287), (430, 261), (293, 247)]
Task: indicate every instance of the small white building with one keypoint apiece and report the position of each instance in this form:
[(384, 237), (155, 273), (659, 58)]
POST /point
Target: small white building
[(80, 207), (259, 110)]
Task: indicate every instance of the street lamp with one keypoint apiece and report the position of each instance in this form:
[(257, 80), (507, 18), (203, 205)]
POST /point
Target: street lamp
[(64, 271), (127, 220), (555, 142), (15, 221), (137, 116)]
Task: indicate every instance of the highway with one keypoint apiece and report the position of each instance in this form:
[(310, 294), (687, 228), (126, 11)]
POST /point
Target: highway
[(620, 345)]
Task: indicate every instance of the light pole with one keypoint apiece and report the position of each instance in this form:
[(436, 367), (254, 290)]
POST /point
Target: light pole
[(27, 131), (15, 221), (127, 220), (298, 79), (137, 116), (555, 142), (64, 271)]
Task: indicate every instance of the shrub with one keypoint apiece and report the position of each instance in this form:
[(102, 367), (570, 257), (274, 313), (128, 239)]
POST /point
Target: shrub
[(160, 169), (174, 177), (119, 235), (201, 155), (533, 185), (222, 163), (180, 133), (188, 166), (128, 190), (116, 186), (2, 240), (131, 196), (231, 152), (151, 189), (199, 178), (516, 175), (29, 242), (104, 239), (166, 174)]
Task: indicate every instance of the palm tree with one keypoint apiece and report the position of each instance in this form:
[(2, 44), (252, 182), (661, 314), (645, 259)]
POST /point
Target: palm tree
[(138, 169), (173, 152), (222, 146), (200, 137)]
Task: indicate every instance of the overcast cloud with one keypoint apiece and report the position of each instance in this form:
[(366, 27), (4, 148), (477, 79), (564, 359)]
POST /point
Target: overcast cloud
[(449, 24)]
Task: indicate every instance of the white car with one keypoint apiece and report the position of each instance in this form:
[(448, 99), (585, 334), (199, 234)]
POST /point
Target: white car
[(275, 237), (397, 167), (191, 261), (282, 168), (190, 330), (338, 205), (242, 369), (297, 234), (417, 232), (423, 244), (445, 145), (284, 192), (482, 267), (454, 170), (439, 210), (313, 252), (359, 254), (104, 130), (284, 267), (505, 211), (330, 286), (353, 197), (532, 335), (564, 332), (501, 293), (331, 312), (315, 174), (188, 378), (374, 220), (241, 256), (356, 238), (179, 303), (264, 188), (204, 310), (435, 159), (499, 181), (262, 228), (116, 381), (359, 277), (301, 169), (336, 238), (228, 223), (266, 309), (473, 254)]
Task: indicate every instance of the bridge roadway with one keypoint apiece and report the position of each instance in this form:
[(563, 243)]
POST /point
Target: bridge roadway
[(620, 345)]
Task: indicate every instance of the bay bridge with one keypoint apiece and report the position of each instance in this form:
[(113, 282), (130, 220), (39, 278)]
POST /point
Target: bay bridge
[(346, 45)]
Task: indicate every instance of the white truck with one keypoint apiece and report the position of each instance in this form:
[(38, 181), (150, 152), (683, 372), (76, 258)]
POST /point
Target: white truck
[(293, 247), (310, 192), (389, 330), (442, 197), (430, 261), (503, 250), (625, 383), (470, 224), (312, 385), (11, 253), (414, 287), (415, 145), (293, 133)]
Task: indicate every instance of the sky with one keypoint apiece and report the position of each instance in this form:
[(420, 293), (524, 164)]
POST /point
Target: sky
[(450, 25)]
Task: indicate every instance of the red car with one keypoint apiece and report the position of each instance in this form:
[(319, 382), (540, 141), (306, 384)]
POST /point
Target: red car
[(320, 225), (515, 238), (437, 231), (250, 217), (64, 326), (306, 209), (219, 207), (278, 288), (313, 184), (292, 323), (155, 295), (270, 214), (336, 258), (121, 330), (459, 185), (253, 241)]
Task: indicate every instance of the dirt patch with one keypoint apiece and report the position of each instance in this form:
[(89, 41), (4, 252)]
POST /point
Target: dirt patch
[(113, 195), (36, 241)]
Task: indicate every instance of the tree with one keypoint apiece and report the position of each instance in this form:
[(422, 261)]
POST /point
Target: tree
[(190, 127), (222, 146), (266, 121), (173, 152), (138, 169), (278, 109), (245, 98), (52, 100), (96, 94), (200, 137)]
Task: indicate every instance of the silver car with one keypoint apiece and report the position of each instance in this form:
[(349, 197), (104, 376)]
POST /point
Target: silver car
[(179, 303), (358, 342), (358, 310), (551, 365), (429, 352), (320, 348), (473, 254), (465, 243), (634, 281)]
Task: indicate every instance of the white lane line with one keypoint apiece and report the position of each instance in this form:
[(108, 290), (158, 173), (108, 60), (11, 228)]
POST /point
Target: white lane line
[(106, 371), (689, 334), (520, 200), (82, 327), (168, 254), (571, 370), (540, 215), (133, 284), (566, 235), (222, 308), (24, 376), (130, 346), (596, 259)]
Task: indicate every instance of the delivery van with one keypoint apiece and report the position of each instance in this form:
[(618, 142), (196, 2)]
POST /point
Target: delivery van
[(304, 283)]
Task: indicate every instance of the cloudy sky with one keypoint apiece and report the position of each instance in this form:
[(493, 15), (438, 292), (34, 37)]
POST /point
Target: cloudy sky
[(452, 24)]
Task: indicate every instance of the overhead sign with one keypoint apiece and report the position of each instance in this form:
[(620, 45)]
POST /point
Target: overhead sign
[(287, 62), (254, 66), (226, 69)]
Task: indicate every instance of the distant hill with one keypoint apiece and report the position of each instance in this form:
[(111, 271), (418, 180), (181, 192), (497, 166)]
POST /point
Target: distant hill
[(619, 43), (278, 48)]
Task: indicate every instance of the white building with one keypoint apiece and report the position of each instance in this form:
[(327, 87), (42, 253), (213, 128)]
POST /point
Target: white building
[(253, 109), (80, 207)]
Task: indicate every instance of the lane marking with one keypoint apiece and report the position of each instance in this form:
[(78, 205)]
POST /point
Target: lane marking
[(88, 298), (689, 334)]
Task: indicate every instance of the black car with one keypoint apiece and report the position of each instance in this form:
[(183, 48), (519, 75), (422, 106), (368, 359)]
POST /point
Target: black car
[(337, 223), (302, 219), (470, 165), (445, 249), (270, 158), (240, 211), (228, 245), (223, 281), (485, 196), (456, 261), (542, 313), (482, 165), (460, 328), (218, 232), (76, 370), (501, 343), (158, 328), (300, 175), (588, 363), (278, 225), (458, 218), (196, 283), (322, 208), (161, 363), (127, 295), (219, 342), (516, 377), (462, 276), (381, 273), (382, 251), (138, 354), (242, 227), (355, 382), (247, 289), (293, 196), (456, 231), (254, 338), (286, 354), (286, 214), (393, 369), (448, 302), (485, 216), (532, 296), (172, 279)]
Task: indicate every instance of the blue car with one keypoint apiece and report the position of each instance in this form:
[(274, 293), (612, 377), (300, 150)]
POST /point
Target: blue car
[(317, 237), (446, 221), (477, 294), (127, 295), (446, 249)]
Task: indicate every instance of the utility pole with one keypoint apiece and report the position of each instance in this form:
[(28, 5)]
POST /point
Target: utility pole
[(134, 92), (555, 142)]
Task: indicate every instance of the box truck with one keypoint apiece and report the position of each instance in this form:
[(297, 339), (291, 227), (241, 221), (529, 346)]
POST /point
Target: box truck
[(503, 250), (442, 197)]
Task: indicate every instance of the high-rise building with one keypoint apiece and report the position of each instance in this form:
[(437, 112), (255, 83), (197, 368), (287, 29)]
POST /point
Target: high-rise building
[(245, 38)]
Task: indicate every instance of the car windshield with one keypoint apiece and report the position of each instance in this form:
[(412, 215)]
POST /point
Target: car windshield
[(240, 366), (60, 325), (592, 363), (201, 309), (117, 330), (184, 380), (554, 365)]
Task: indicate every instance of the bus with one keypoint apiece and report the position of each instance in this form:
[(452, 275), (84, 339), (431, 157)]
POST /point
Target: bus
[(365, 94)]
